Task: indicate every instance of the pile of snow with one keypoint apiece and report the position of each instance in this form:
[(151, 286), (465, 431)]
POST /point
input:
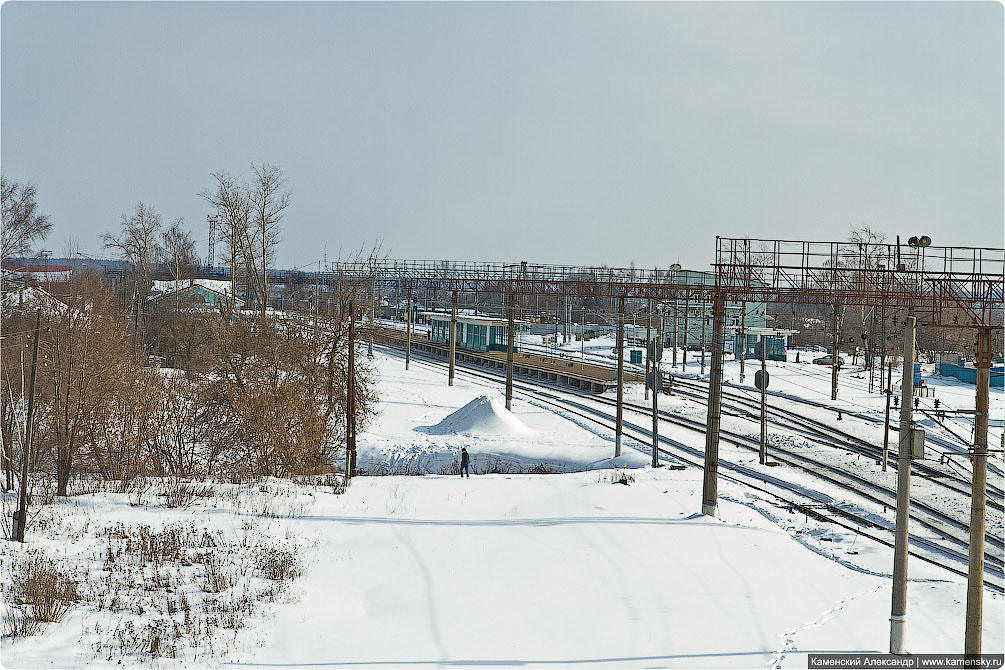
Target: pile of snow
[(485, 415)]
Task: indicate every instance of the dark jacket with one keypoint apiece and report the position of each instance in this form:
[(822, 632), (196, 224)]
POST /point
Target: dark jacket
[(464, 458)]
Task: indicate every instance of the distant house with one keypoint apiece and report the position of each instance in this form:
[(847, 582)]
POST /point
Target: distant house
[(40, 272), (30, 298), (195, 295)]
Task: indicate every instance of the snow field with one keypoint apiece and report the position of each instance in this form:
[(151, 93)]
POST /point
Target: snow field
[(557, 569)]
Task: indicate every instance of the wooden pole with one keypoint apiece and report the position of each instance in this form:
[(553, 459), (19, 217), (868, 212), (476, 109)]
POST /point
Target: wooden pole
[(350, 401), (22, 512)]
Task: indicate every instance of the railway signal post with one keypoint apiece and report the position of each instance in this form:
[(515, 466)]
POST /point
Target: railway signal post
[(898, 609)]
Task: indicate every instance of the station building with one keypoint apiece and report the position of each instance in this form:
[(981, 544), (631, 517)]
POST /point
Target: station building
[(474, 333)]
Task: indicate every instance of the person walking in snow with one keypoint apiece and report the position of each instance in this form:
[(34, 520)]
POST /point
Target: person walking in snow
[(465, 460)]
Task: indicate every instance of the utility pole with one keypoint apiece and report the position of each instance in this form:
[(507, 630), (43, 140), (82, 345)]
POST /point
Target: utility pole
[(556, 327), (510, 336), (373, 298), (763, 453), (649, 339), (408, 329), (657, 389), (675, 336), (835, 358), (710, 489), (687, 330), (886, 424), (898, 609), (703, 321), (21, 516), (453, 337), (582, 342), (743, 338), (621, 375), (975, 567), (350, 401)]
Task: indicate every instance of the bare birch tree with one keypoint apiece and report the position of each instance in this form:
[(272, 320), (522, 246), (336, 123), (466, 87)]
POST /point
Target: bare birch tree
[(136, 243), (22, 224), (268, 201), (233, 207)]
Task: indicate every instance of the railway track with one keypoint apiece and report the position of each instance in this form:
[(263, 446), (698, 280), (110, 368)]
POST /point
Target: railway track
[(821, 432), (943, 525)]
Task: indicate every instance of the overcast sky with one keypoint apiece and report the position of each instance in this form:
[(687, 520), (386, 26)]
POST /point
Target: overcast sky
[(565, 133)]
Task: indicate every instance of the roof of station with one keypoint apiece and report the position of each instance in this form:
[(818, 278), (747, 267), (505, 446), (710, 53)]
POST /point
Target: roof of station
[(472, 319)]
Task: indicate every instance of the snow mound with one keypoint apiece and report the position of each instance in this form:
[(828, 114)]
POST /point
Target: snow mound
[(485, 415)]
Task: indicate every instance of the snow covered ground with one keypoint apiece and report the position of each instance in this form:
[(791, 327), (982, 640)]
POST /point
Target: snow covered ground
[(506, 568), (423, 424), (524, 570)]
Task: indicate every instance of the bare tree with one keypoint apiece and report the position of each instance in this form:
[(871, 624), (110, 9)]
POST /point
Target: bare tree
[(178, 252), (233, 207), (136, 244), (22, 224), (268, 201)]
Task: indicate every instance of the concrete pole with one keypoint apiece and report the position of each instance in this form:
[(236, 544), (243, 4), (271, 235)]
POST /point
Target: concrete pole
[(568, 320), (710, 490), (703, 319), (408, 330), (582, 342), (687, 332), (453, 337), (835, 358), (675, 335), (886, 426), (763, 452), (743, 339), (898, 609), (556, 327), (657, 389), (510, 336), (975, 572), (621, 376), (649, 340)]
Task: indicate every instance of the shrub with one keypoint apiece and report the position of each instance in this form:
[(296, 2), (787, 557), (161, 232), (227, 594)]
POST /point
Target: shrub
[(38, 586)]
